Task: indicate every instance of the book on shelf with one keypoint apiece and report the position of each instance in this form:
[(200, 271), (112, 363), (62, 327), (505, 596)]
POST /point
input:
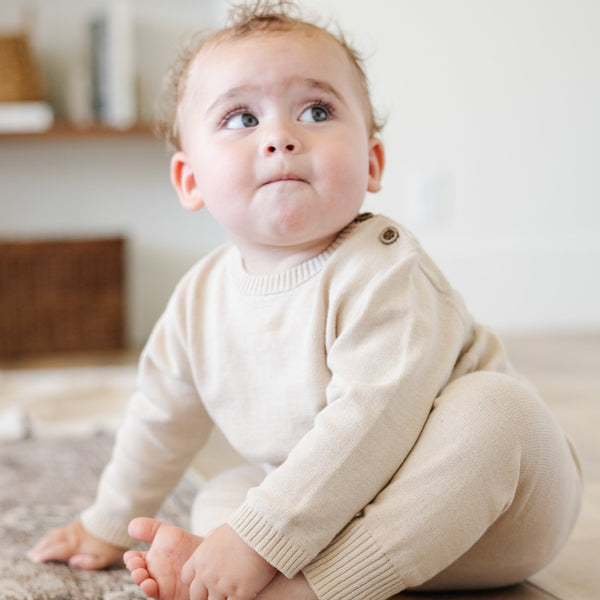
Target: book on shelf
[(113, 65), (25, 117)]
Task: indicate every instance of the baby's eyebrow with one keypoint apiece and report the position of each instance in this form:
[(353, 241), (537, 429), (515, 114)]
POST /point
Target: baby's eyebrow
[(231, 94), (241, 90), (325, 87)]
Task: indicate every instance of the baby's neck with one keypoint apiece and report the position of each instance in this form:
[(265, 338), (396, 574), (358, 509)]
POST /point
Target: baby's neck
[(264, 260)]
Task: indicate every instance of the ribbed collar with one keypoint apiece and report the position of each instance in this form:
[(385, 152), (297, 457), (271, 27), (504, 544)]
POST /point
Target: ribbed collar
[(275, 283)]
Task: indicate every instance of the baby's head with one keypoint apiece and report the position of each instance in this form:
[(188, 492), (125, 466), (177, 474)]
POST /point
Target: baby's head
[(273, 133), (248, 19)]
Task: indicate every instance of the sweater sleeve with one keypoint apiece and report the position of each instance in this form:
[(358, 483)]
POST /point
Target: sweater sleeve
[(395, 344), (164, 427)]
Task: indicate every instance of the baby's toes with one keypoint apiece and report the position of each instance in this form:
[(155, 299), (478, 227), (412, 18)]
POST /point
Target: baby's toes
[(140, 576), (148, 586), (137, 566), (134, 560)]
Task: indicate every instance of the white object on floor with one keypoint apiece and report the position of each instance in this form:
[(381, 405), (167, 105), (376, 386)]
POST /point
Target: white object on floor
[(13, 425), (72, 402)]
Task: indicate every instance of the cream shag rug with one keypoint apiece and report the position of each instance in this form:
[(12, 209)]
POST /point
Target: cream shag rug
[(45, 483)]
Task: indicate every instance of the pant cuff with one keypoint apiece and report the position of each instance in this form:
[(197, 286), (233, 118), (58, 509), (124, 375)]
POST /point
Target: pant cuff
[(353, 567)]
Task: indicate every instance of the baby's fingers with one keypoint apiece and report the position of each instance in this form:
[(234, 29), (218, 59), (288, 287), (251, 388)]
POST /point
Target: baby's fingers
[(88, 562), (57, 544), (51, 549)]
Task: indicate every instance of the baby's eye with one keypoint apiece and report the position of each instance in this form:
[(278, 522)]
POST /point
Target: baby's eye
[(315, 114), (241, 121)]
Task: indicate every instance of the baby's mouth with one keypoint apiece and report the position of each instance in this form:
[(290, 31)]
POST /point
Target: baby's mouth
[(284, 179)]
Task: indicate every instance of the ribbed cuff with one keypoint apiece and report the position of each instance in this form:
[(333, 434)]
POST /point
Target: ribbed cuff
[(353, 567), (113, 531), (275, 548)]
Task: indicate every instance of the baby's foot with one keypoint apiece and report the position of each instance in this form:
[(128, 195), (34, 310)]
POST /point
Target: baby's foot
[(158, 571)]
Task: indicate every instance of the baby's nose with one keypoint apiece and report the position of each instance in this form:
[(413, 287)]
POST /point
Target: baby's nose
[(281, 138), (288, 148)]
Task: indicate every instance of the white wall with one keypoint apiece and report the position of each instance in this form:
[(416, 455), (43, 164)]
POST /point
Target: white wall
[(492, 153), (492, 145)]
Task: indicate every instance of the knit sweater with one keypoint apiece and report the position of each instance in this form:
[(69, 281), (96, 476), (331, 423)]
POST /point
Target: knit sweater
[(326, 372)]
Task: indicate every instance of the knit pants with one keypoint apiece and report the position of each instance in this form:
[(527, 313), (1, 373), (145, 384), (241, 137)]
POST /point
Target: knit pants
[(487, 496)]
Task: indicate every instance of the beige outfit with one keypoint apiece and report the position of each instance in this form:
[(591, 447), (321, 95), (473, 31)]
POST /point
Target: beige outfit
[(390, 442)]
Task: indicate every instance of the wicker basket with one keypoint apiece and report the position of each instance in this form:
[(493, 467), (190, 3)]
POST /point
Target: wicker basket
[(61, 296), (20, 78)]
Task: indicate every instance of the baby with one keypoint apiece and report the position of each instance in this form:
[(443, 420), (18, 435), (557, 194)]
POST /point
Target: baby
[(389, 443)]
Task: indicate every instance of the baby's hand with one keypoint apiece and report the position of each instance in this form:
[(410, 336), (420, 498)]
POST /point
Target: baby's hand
[(74, 545), (224, 566)]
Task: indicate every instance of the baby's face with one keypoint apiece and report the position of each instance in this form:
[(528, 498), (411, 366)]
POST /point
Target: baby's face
[(274, 131)]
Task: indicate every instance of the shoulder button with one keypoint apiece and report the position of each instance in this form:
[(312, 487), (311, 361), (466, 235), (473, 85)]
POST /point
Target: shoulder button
[(389, 235)]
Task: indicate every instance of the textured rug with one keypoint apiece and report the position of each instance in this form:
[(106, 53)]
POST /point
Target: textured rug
[(45, 483)]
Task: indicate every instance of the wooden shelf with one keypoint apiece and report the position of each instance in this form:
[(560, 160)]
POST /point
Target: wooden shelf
[(67, 130)]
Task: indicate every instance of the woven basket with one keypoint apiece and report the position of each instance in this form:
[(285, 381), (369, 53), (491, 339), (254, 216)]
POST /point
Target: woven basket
[(61, 296), (20, 78)]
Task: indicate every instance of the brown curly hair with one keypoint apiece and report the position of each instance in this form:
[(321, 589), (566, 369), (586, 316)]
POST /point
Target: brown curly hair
[(245, 19)]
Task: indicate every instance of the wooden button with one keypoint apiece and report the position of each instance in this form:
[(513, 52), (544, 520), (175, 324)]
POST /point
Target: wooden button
[(389, 235)]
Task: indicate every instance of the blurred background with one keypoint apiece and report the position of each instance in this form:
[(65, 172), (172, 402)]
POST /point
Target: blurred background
[(492, 132)]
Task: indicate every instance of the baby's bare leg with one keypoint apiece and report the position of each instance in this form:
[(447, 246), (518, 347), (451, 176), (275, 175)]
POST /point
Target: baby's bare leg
[(280, 587), (158, 571)]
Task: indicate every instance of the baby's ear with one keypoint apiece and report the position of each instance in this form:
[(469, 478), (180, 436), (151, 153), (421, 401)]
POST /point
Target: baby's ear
[(184, 182), (376, 164)]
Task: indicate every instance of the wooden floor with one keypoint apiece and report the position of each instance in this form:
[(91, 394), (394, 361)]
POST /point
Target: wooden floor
[(566, 370)]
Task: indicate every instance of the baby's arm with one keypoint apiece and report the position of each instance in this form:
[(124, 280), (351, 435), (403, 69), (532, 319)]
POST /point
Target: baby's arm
[(76, 546), (165, 425)]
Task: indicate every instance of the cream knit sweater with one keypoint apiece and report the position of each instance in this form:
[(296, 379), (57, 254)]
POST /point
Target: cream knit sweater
[(327, 372)]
